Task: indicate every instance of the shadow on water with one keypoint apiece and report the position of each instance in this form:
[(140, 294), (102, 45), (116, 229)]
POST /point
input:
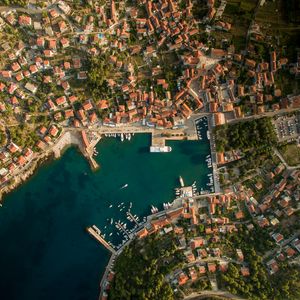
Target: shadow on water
[(196, 159), (143, 150)]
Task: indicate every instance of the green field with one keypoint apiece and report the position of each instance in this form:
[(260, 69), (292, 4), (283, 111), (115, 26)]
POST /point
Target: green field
[(291, 154), (239, 13)]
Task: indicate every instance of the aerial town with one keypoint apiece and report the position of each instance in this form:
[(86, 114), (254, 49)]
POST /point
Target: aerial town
[(72, 72)]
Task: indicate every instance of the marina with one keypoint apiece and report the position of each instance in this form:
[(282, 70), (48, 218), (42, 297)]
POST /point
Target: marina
[(54, 207)]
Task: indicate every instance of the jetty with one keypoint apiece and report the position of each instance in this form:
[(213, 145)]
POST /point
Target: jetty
[(96, 235)]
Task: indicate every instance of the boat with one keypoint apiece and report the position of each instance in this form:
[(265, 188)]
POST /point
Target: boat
[(111, 221), (124, 186), (181, 181), (110, 234), (122, 137), (111, 206)]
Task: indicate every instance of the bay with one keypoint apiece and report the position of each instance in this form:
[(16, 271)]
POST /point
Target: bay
[(45, 252)]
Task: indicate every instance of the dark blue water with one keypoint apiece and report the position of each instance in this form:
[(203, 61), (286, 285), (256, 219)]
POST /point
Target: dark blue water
[(45, 252)]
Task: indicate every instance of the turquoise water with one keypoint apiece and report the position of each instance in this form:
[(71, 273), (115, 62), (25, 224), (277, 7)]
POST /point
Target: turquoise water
[(45, 252)]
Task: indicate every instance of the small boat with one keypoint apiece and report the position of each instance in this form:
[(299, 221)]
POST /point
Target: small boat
[(110, 234), (111, 206), (124, 186), (111, 221)]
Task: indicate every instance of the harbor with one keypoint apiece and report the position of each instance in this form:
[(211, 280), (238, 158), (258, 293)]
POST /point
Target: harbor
[(55, 206), (184, 194)]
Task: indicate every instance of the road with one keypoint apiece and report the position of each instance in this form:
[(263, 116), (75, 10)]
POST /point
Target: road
[(104, 277), (267, 114), (206, 294)]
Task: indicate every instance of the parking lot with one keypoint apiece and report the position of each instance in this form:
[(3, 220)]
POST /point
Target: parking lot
[(287, 127)]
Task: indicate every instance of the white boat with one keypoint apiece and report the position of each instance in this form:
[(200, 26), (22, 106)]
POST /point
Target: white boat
[(111, 206), (122, 137), (110, 234), (181, 181), (124, 186), (111, 221)]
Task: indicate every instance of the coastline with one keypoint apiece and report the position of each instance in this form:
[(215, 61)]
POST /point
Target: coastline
[(70, 137), (66, 140)]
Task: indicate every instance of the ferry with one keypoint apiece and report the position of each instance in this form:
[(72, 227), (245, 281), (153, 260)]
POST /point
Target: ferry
[(124, 186)]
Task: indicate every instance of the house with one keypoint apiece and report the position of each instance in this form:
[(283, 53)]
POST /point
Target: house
[(240, 254), (182, 278), (245, 271), (61, 100), (272, 266), (41, 145), (53, 130), (13, 148), (218, 118), (24, 20), (142, 233), (31, 87), (103, 104), (196, 242), (278, 237), (212, 267), (193, 273)]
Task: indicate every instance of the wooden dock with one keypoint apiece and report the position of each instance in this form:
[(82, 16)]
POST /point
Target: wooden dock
[(97, 236)]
